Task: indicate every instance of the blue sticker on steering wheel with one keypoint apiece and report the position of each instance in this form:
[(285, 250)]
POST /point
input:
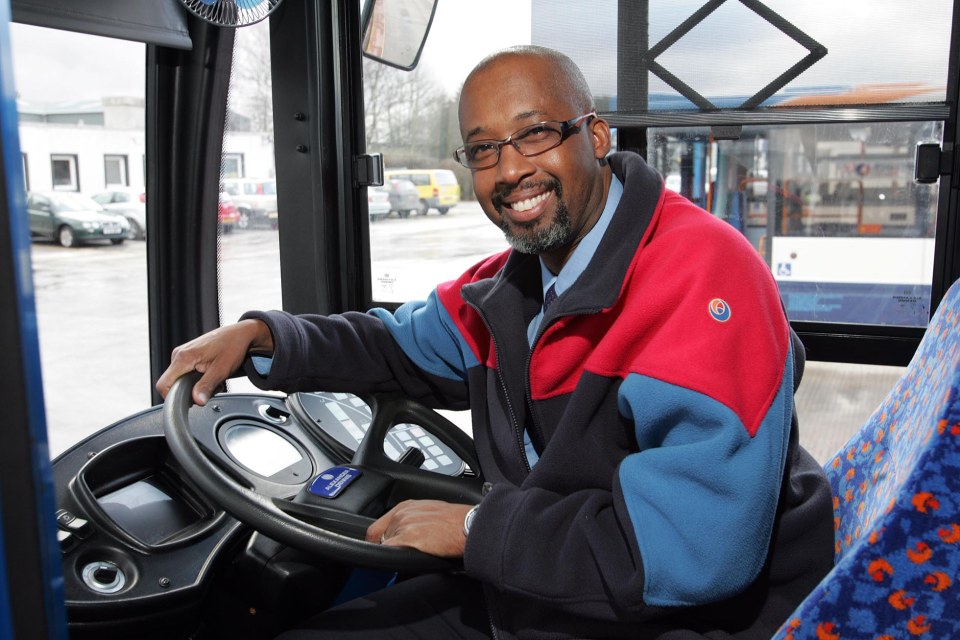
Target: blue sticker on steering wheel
[(333, 481)]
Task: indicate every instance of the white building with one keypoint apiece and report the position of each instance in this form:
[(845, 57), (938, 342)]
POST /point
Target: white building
[(89, 146)]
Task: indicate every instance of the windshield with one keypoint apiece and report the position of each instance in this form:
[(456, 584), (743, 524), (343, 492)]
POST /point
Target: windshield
[(61, 202)]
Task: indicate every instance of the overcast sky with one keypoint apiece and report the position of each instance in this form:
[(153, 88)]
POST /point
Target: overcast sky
[(52, 66), (87, 67)]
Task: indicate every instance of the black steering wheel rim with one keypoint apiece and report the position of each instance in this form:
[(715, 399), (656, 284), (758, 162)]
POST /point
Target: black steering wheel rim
[(264, 514)]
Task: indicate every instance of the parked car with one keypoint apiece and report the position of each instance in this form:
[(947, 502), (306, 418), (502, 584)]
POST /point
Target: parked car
[(438, 188), (404, 197), (72, 219), (256, 201), (129, 202), (228, 215), (378, 203)]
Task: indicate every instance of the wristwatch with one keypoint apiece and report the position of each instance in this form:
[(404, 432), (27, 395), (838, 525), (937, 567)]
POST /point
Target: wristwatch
[(468, 520)]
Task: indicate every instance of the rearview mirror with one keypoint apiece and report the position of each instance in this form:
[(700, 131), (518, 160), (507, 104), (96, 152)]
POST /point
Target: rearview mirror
[(394, 31)]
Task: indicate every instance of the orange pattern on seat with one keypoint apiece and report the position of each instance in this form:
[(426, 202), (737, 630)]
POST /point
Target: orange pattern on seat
[(896, 487)]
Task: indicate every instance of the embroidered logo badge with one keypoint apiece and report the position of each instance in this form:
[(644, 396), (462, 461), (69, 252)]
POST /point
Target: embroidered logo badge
[(333, 481), (719, 310)]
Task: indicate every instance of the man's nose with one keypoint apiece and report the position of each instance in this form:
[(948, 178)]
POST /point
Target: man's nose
[(513, 165)]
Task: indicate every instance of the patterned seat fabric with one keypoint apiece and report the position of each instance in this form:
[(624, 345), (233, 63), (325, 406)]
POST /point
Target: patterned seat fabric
[(896, 487)]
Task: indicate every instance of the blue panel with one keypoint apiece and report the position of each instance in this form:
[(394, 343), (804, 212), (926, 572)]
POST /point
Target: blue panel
[(699, 162), (903, 305), (29, 356)]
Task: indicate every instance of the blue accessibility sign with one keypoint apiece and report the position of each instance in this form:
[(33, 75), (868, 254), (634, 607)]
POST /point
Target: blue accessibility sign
[(333, 481)]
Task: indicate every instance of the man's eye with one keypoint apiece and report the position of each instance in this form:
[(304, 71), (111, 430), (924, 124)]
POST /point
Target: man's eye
[(537, 132), (481, 149)]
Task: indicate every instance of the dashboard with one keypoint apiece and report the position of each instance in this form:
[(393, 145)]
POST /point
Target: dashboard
[(140, 540)]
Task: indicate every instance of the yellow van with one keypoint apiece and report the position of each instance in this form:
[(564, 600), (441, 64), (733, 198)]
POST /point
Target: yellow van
[(438, 188)]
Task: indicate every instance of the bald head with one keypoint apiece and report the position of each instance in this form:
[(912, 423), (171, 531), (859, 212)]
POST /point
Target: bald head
[(565, 80)]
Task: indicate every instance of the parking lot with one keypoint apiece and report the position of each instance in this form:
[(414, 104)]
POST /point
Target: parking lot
[(92, 317)]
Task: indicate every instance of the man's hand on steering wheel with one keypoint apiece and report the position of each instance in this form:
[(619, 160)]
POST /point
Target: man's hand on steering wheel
[(431, 526), (216, 355)]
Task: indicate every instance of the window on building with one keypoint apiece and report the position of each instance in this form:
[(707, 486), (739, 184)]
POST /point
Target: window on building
[(232, 165), (64, 171), (115, 171)]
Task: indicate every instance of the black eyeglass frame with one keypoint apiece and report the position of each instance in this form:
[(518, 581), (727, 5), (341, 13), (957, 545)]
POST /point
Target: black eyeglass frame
[(566, 127)]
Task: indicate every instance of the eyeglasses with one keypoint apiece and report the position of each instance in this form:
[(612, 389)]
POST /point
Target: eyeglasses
[(529, 141)]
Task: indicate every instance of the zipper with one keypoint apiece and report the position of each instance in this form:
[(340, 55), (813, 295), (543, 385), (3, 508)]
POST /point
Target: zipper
[(526, 374), (494, 634), (503, 388), (528, 391)]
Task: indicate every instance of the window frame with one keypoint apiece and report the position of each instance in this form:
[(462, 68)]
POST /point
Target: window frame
[(124, 170), (73, 163), (239, 159), (864, 344), (833, 342)]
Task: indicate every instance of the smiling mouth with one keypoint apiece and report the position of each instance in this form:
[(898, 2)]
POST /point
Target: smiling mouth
[(529, 203), (544, 189)]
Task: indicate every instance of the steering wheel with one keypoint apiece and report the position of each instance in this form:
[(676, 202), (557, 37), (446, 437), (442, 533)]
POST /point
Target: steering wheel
[(334, 528)]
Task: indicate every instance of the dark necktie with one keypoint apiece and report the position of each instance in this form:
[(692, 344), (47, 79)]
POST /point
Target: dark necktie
[(549, 297)]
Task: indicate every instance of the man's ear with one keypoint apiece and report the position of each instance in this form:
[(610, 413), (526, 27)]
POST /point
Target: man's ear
[(600, 130)]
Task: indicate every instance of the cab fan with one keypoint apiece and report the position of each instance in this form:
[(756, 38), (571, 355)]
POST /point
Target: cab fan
[(231, 13)]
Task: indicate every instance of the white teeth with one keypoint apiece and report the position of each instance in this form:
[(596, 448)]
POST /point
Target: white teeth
[(529, 203)]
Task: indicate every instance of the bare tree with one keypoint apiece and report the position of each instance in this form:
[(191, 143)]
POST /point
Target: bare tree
[(406, 112), (251, 86), (408, 116)]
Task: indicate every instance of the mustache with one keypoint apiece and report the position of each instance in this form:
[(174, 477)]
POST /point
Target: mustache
[(550, 185)]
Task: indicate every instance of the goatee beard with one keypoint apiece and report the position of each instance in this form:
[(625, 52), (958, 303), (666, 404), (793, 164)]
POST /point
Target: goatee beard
[(530, 240), (526, 238)]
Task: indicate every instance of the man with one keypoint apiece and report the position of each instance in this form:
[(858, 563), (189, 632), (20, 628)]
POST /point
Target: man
[(630, 373)]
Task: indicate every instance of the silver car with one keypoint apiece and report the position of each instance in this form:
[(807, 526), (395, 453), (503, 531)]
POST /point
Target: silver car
[(129, 202), (404, 197)]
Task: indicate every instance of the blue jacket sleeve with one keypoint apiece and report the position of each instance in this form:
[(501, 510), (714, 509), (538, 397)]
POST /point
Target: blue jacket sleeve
[(701, 493), (416, 351), (679, 529)]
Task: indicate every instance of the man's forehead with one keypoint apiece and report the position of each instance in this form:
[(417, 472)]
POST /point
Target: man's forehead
[(489, 126), (510, 103)]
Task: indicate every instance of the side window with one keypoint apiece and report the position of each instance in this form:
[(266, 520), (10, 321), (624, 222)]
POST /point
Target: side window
[(91, 300), (832, 208), (249, 247), (445, 177)]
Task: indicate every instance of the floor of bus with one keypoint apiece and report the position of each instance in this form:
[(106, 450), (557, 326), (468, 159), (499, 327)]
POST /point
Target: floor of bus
[(835, 399)]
